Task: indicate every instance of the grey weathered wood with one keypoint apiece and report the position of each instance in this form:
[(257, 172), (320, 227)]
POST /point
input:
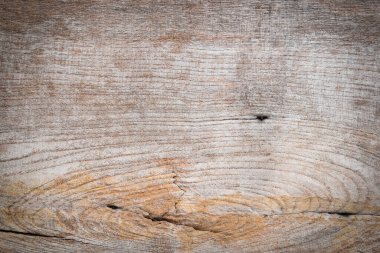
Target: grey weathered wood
[(189, 126)]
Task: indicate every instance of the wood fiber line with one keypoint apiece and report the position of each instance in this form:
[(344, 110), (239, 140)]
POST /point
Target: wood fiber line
[(189, 126)]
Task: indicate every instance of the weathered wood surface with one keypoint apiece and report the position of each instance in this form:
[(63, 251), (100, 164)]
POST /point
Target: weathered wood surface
[(189, 126)]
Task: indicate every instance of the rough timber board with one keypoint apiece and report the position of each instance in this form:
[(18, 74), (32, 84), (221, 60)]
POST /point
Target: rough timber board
[(189, 126)]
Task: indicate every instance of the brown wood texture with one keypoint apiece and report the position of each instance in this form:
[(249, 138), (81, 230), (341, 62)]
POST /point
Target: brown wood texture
[(189, 126)]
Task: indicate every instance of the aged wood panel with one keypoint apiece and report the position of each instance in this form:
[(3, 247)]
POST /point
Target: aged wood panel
[(189, 126)]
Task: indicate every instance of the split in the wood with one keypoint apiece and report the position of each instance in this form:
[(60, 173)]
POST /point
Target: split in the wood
[(163, 218), (261, 117), (175, 177), (40, 235), (29, 233), (114, 207), (341, 214), (344, 214)]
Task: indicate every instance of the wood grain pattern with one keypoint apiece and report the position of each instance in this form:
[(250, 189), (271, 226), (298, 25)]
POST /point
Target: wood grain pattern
[(189, 126)]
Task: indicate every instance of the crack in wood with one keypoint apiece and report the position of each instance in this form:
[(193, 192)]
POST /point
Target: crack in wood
[(30, 233), (162, 218), (175, 182), (114, 207), (341, 214), (41, 235), (261, 117), (344, 214)]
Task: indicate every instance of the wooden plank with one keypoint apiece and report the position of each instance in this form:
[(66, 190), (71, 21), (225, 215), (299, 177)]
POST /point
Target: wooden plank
[(189, 126), (107, 231)]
